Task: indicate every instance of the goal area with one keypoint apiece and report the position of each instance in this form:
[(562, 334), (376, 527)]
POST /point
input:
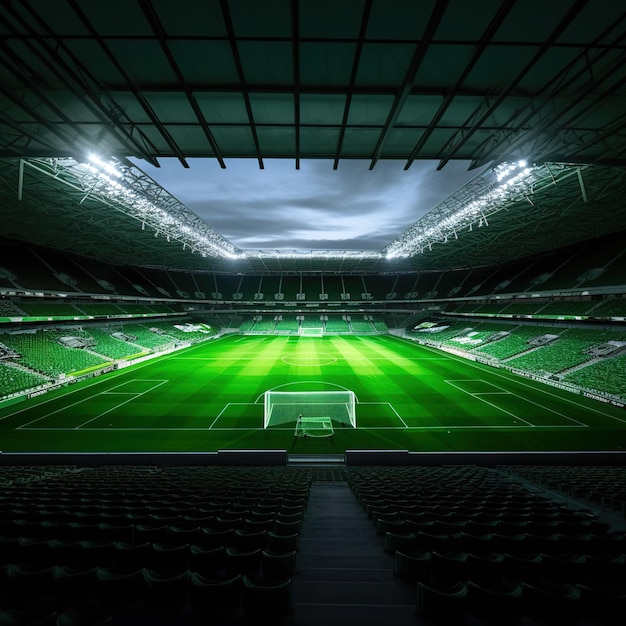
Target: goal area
[(281, 407)]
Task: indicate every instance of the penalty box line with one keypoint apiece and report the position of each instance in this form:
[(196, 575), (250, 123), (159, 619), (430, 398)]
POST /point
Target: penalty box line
[(478, 395), (134, 397), (89, 399)]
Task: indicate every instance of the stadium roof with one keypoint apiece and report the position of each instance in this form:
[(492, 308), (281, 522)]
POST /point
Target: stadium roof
[(297, 79)]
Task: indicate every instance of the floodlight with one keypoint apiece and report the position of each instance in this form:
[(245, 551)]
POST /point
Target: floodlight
[(95, 160), (127, 189), (486, 194)]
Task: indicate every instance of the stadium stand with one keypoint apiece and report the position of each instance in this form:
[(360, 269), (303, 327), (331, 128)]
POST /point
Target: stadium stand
[(338, 324), (338, 288), (569, 307), (610, 308), (91, 524), (264, 324), (100, 309), (110, 347), (360, 324), (226, 287), (135, 309), (474, 527), (250, 543), (10, 309), (251, 287), (522, 308), (42, 352), (516, 342), (379, 324), (49, 309), (183, 284), (566, 352), (14, 379), (311, 287), (287, 324), (183, 331), (606, 376), (311, 322), (146, 337)]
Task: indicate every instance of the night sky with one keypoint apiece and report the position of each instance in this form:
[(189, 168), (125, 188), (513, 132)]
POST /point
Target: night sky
[(313, 208)]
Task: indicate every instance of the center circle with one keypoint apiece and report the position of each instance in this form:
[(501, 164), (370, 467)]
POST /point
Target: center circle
[(309, 361)]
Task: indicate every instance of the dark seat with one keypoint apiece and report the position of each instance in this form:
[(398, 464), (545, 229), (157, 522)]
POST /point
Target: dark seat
[(486, 568), (271, 601), (250, 540), (84, 617), (449, 568), (412, 567), (178, 535), (446, 605), (604, 603), (278, 566), (169, 560), (129, 557), (209, 562), (74, 585), (405, 542), (213, 538), (248, 562), (524, 567), (116, 589), (557, 605), (498, 603), (212, 598), (164, 592), (282, 543), (23, 584)]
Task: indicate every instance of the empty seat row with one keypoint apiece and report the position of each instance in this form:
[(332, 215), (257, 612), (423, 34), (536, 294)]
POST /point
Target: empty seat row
[(103, 591), (451, 567), (509, 602)]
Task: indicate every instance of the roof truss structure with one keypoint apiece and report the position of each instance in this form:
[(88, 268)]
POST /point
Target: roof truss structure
[(314, 79), (366, 79)]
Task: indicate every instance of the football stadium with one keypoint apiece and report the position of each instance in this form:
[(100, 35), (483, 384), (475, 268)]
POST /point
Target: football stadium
[(398, 400)]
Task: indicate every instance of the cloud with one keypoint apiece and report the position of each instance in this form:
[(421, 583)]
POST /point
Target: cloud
[(313, 208)]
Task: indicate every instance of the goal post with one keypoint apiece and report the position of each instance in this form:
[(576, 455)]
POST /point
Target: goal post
[(313, 331), (281, 407)]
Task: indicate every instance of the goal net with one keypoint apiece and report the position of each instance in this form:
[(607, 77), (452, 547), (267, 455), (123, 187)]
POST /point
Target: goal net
[(317, 331), (289, 406)]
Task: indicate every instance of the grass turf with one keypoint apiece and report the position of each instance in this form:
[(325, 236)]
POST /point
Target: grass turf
[(210, 397)]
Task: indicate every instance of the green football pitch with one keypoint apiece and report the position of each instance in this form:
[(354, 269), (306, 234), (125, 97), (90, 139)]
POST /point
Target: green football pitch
[(210, 397)]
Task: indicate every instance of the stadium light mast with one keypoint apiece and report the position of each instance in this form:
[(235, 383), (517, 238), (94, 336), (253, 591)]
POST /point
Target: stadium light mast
[(127, 189), (488, 193)]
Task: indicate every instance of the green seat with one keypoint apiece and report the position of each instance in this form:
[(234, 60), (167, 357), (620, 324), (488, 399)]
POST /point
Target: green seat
[(116, 589), (557, 605), (278, 566), (412, 567), (405, 542), (268, 600), (164, 592), (446, 605), (499, 603), (210, 597)]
